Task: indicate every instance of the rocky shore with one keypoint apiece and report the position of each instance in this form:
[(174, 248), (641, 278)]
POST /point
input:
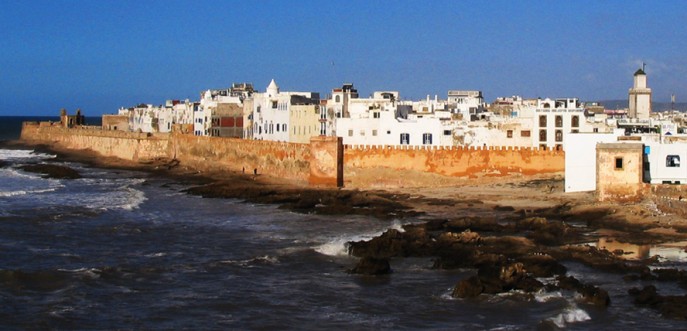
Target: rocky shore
[(515, 233)]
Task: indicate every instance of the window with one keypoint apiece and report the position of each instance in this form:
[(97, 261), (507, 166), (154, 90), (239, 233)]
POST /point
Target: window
[(542, 120), (374, 133), (542, 135), (559, 135), (575, 131), (596, 130), (388, 132), (283, 127), (375, 114), (509, 134), (337, 99), (277, 127), (673, 161), (447, 132), (426, 138), (350, 133), (618, 163), (405, 138), (525, 133), (559, 121), (559, 147), (274, 105), (575, 121), (362, 133)]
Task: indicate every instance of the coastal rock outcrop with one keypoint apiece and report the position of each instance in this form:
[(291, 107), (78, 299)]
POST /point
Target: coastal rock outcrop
[(670, 306), (52, 171), (372, 266)]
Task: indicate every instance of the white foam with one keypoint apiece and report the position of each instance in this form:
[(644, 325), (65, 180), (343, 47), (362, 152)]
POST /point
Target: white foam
[(265, 259), (24, 192), (7, 154), (338, 246), (543, 296), (570, 315)]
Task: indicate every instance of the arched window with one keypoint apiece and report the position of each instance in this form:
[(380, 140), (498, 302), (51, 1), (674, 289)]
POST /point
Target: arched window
[(559, 135), (542, 135), (542, 120), (337, 99), (283, 127), (575, 121), (559, 121)]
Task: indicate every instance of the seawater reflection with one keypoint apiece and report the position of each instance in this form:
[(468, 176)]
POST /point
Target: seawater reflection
[(672, 251)]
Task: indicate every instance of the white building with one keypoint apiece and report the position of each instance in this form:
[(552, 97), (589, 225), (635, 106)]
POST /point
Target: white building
[(467, 103), (149, 118), (271, 112), (384, 120)]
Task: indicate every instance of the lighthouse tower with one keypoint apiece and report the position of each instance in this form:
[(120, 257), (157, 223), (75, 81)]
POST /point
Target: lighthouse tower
[(640, 97)]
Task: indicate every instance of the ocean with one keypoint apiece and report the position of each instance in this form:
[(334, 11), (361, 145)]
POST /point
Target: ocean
[(123, 249), (10, 126)]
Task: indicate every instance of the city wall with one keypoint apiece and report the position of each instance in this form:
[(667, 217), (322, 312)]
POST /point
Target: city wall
[(315, 163), (466, 162), (124, 145)]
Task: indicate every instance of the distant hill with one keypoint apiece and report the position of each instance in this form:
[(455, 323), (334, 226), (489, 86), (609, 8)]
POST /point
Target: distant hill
[(655, 106)]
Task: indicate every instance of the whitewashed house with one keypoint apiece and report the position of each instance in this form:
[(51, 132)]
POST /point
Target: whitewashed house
[(271, 112)]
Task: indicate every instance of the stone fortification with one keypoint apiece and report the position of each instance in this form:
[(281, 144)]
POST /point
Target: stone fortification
[(317, 163), (276, 159), (467, 162), (124, 145)]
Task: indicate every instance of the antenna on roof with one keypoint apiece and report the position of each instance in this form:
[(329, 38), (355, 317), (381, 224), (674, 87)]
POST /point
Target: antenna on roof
[(643, 66)]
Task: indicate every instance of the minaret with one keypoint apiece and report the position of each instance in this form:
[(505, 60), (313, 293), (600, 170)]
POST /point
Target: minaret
[(272, 89), (640, 97)]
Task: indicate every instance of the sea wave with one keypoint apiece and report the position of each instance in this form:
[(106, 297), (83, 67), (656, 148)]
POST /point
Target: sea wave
[(14, 154), (25, 192), (570, 315), (338, 246)]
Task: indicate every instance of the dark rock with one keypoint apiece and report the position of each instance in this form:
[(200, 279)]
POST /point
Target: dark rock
[(52, 171), (372, 266), (646, 296), (473, 223), (468, 288), (390, 243), (591, 294), (3, 164), (669, 306), (465, 237), (542, 265), (502, 278)]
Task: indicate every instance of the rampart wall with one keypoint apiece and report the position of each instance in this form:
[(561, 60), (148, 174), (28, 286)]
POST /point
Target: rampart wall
[(277, 159), (456, 161), (125, 145), (363, 166)]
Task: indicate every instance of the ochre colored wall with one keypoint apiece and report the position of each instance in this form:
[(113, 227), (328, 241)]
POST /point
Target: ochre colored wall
[(619, 184), (125, 145), (324, 154), (363, 167), (282, 160), (453, 162)]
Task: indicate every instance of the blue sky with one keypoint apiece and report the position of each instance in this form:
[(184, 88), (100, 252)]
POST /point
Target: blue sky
[(104, 54)]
